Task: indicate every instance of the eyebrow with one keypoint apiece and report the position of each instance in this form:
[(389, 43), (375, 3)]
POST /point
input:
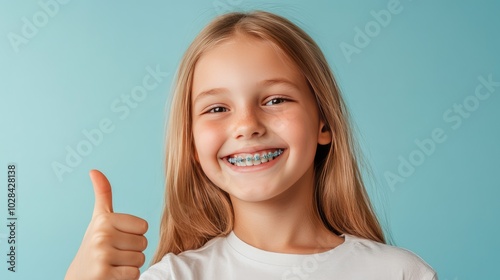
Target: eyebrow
[(261, 84)]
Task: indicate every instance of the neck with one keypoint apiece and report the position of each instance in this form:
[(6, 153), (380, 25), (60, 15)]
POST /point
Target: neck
[(287, 223)]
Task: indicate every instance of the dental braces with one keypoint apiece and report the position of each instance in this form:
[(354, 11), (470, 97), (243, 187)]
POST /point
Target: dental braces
[(257, 157)]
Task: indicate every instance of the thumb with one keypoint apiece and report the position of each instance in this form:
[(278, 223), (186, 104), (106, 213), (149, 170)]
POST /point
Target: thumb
[(102, 192)]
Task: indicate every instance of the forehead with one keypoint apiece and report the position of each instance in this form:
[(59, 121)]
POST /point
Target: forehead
[(243, 61)]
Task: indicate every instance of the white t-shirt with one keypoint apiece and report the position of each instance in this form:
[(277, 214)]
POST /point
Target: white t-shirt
[(230, 258)]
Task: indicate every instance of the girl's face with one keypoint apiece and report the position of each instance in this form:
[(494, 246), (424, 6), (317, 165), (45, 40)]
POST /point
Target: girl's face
[(255, 122)]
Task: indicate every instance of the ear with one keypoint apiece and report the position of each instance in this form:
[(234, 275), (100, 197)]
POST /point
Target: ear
[(196, 156), (324, 134)]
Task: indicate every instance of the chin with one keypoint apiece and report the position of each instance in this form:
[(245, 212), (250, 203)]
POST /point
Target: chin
[(253, 194)]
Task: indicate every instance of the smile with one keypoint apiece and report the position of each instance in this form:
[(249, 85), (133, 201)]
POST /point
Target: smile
[(254, 159)]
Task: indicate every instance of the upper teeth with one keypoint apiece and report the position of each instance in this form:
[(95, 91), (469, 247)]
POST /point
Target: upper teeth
[(254, 159)]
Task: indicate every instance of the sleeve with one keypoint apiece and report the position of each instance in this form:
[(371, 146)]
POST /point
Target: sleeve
[(158, 271), (153, 274), (417, 268)]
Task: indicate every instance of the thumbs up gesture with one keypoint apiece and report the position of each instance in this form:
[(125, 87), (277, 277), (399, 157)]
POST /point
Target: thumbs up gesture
[(113, 243)]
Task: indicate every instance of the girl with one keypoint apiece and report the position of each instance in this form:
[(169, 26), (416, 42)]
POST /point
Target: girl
[(262, 172)]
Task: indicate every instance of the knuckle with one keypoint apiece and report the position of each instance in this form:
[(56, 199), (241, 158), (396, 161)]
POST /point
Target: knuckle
[(100, 272), (127, 273), (103, 256), (144, 243), (101, 239), (102, 220), (142, 225), (142, 259)]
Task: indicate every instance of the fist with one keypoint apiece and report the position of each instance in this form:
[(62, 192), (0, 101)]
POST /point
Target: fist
[(113, 245)]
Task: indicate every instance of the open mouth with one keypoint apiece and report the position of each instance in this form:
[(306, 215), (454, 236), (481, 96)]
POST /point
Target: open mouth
[(254, 159)]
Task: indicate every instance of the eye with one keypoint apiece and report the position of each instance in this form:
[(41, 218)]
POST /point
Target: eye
[(217, 109), (275, 101)]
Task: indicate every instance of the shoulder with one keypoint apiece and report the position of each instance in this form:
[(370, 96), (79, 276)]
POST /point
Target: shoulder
[(172, 266), (388, 259)]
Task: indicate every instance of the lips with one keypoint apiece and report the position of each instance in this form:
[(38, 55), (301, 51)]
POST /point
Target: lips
[(250, 159)]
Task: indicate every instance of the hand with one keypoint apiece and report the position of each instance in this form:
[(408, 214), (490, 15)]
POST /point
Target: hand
[(113, 243)]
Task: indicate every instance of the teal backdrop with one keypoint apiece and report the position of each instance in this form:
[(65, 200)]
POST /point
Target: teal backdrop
[(421, 79)]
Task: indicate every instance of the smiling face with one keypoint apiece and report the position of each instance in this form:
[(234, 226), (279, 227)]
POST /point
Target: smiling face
[(255, 121)]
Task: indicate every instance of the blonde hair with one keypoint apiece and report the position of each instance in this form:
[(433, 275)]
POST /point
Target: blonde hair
[(196, 210)]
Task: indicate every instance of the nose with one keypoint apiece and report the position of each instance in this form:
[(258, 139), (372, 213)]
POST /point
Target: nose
[(248, 124)]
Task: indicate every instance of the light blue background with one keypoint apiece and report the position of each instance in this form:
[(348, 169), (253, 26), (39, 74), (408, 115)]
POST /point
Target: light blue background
[(427, 58)]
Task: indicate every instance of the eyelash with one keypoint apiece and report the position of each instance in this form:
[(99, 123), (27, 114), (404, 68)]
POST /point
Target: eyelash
[(282, 99), (213, 109)]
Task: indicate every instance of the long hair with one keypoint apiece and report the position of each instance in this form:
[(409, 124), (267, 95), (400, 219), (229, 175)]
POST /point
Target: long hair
[(196, 210)]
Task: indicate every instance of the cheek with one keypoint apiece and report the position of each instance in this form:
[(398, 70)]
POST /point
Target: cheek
[(297, 125), (207, 139), (284, 122)]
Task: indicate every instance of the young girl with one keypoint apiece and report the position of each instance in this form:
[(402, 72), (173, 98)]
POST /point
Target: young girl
[(262, 174)]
